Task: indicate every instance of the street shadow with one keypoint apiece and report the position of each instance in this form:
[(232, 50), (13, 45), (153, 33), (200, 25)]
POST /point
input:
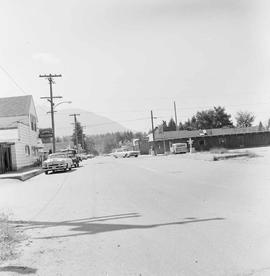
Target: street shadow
[(59, 172), (18, 269), (92, 226)]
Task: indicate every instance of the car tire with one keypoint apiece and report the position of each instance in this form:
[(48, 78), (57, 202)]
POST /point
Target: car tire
[(46, 172)]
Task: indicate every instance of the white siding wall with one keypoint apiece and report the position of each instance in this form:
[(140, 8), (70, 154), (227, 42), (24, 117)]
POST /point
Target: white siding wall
[(27, 137), (11, 121)]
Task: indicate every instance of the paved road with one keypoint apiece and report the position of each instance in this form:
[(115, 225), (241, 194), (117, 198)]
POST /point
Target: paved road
[(145, 216)]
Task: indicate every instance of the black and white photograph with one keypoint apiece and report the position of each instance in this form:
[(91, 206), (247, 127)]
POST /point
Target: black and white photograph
[(135, 137)]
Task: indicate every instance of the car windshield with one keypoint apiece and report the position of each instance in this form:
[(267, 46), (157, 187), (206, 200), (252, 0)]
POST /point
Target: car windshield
[(57, 155)]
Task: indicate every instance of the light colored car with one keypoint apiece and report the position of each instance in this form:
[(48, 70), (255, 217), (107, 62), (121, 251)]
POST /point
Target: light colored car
[(123, 153), (57, 162)]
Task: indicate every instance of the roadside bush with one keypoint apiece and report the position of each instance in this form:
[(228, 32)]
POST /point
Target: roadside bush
[(218, 150), (8, 238)]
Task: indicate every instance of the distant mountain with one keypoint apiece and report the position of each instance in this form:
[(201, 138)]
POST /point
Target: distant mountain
[(95, 124)]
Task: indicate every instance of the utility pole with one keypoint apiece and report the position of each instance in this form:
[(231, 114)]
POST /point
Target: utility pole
[(50, 99), (164, 143), (75, 122), (153, 131), (83, 143), (175, 116)]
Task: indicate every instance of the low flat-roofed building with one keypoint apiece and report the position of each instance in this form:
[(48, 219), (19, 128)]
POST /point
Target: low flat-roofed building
[(203, 140)]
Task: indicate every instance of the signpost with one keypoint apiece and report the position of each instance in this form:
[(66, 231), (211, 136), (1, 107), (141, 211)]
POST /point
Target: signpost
[(190, 142)]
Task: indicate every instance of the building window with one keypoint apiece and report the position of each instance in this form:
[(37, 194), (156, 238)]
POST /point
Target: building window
[(33, 121), (27, 150)]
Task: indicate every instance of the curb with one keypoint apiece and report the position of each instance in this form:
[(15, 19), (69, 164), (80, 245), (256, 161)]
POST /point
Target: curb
[(22, 176)]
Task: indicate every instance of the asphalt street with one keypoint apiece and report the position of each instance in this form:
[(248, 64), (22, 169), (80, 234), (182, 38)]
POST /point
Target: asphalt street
[(164, 215)]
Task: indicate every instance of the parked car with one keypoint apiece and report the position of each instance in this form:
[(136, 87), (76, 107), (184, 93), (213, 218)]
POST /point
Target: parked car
[(57, 162), (83, 156), (123, 153), (72, 153)]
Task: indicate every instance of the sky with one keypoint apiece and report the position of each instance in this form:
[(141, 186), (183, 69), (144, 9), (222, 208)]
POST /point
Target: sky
[(123, 58)]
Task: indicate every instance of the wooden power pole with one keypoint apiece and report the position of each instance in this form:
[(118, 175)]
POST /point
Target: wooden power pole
[(153, 132), (175, 116), (50, 99), (75, 122)]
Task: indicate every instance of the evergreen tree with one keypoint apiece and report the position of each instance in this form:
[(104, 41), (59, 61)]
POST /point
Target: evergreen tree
[(171, 125)]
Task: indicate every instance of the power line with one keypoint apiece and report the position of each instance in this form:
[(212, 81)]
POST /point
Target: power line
[(13, 80), (160, 109), (109, 123)]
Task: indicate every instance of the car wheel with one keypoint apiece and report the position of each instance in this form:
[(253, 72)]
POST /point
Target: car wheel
[(46, 172)]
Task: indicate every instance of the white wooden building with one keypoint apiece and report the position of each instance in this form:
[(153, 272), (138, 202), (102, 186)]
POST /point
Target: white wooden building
[(19, 142)]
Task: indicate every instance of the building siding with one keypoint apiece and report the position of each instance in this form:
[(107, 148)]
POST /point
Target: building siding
[(27, 137), (234, 141), (12, 121)]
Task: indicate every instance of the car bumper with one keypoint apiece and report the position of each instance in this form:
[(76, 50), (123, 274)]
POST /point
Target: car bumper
[(55, 167)]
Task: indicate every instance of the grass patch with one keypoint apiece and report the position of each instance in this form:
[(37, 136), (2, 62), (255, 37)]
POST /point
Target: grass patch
[(9, 238)]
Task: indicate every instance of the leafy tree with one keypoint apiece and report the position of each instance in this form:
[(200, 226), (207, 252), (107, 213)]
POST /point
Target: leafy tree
[(206, 119), (105, 143), (90, 145), (244, 119), (213, 118), (222, 119), (190, 124)]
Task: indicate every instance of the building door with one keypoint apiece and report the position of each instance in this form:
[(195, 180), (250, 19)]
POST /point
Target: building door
[(5, 158)]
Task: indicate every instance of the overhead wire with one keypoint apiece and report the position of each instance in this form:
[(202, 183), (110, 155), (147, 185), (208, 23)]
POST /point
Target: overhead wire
[(15, 82)]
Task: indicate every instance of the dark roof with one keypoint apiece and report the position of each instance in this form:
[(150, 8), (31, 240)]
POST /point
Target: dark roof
[(15, 106), (208, 132)]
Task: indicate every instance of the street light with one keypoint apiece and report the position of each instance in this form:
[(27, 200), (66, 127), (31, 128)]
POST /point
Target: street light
[(53, 110), (55, 105), (69, 102)]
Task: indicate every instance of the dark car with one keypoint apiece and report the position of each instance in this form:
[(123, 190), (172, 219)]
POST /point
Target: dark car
[(72, 153)]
